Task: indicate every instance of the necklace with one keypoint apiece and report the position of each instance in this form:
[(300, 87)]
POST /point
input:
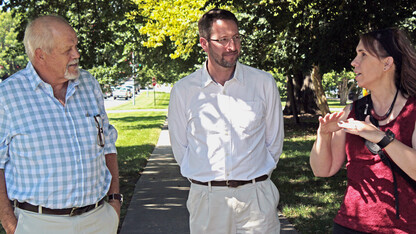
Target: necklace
[(381, 118)]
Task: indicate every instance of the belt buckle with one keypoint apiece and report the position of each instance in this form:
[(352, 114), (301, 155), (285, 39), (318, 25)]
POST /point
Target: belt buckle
[(232, 183), (72, 211)]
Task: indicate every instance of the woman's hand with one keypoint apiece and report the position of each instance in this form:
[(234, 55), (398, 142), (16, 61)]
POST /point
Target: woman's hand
[(329, 123), (364, 129)]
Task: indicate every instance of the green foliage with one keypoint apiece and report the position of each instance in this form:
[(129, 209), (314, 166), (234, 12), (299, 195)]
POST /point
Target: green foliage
[(332, 81), (176, 20), (105, 75), (102, 29), (11, 59)]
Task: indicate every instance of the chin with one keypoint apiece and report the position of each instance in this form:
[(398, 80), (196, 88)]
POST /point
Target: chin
[(72, 75)]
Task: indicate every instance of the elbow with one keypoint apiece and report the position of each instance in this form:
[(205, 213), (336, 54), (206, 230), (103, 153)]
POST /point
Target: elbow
[(321, 174)]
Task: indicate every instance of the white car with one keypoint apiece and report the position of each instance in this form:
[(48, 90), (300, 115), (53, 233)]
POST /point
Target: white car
[(122, 92)]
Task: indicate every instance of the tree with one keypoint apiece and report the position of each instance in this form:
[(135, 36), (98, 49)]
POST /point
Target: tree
[(101, 26), (11, 59)]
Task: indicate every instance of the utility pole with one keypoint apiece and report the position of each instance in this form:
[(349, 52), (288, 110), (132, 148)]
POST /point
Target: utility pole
[(133, 67)]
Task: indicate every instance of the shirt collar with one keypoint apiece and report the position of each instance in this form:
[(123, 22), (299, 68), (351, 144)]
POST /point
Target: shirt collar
[(35, 79), (207, 79)]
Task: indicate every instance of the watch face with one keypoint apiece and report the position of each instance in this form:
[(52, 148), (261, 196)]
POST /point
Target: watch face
[(390, 134)]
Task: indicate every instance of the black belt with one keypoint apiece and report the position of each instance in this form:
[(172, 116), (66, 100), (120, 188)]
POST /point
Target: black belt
[(67, 211), (230, 183)]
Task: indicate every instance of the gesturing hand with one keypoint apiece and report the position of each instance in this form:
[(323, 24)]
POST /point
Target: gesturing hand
[(329, 123), (364, 129)]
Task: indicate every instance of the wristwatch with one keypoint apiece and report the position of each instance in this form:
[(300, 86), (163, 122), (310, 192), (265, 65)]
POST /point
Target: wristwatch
[(116, 196), (387, 139)]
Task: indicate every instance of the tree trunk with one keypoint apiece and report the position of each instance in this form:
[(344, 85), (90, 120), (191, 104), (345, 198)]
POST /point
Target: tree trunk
[(343, 91), (303, 95), (319, 91), (291, 98)]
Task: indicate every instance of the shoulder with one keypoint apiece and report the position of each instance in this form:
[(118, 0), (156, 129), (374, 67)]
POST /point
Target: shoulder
[(192, 80), (85, 75), (256, 75), (86, 78)]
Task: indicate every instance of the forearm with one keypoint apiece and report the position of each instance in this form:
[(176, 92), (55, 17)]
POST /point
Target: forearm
[(7, 217), (404, 157), (112, 165), (321, 155)]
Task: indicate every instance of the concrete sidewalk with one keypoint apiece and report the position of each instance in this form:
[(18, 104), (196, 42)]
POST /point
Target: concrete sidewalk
[(159, 201)]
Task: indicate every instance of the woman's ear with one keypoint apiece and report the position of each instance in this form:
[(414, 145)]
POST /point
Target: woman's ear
[(388, 63)]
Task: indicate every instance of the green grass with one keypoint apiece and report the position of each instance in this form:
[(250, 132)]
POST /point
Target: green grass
[(308, 202), (144, 100), (332, 103)]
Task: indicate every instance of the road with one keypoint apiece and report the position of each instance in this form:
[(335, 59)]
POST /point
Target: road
[(110, 102)]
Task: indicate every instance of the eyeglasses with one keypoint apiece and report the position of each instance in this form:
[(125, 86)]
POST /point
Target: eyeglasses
[(225, 41), (100, 135)]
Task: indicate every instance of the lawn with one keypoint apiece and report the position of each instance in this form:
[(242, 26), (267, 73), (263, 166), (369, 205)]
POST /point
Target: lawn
[(146, 100)]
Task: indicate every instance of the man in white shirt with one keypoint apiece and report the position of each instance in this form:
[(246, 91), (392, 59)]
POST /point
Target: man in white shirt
[(226, 130)]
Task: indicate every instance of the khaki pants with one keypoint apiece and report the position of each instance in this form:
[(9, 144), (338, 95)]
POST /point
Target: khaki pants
[(250, 208), (103, 220)]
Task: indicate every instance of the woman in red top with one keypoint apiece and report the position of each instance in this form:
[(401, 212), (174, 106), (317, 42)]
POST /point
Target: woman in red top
[(377, 137)]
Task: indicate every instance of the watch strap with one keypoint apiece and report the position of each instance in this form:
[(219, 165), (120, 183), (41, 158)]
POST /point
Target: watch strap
[(387, 139), (116, 196)]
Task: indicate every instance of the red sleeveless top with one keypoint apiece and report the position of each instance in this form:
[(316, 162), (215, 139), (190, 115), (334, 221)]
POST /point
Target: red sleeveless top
[(369, 202)]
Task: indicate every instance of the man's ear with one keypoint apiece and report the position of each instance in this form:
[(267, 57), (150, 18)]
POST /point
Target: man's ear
[(204, 43), (39, 54)]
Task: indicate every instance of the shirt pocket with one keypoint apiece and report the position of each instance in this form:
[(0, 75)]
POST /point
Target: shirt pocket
[(247, 115), (206, 120)]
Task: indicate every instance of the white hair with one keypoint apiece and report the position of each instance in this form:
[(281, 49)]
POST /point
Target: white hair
[(39, 34)]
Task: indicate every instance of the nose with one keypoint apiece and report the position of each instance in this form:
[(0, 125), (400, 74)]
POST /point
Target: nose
[(354, 62), (75, 53), (231, 45)]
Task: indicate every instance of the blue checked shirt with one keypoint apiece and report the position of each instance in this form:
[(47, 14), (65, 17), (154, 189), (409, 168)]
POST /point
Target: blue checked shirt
[(48, 151)]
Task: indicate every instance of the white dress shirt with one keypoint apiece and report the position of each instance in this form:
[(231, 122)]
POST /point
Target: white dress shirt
[(230, 132)]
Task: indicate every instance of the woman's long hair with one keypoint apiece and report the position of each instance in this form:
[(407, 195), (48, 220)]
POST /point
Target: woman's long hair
[(395, 43)]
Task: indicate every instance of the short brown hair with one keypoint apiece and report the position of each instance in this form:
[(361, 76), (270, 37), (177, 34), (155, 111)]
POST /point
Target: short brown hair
[(206, 21)]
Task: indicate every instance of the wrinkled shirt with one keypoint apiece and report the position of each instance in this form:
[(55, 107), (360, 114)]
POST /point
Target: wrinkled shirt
[(230, 132), (48, 151)]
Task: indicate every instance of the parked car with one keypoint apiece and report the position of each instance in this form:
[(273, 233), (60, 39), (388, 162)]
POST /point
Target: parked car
[(131, 88), (122, 92)]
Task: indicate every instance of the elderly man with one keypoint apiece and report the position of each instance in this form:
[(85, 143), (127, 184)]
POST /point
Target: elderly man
[(226, 128), (58, 158)]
